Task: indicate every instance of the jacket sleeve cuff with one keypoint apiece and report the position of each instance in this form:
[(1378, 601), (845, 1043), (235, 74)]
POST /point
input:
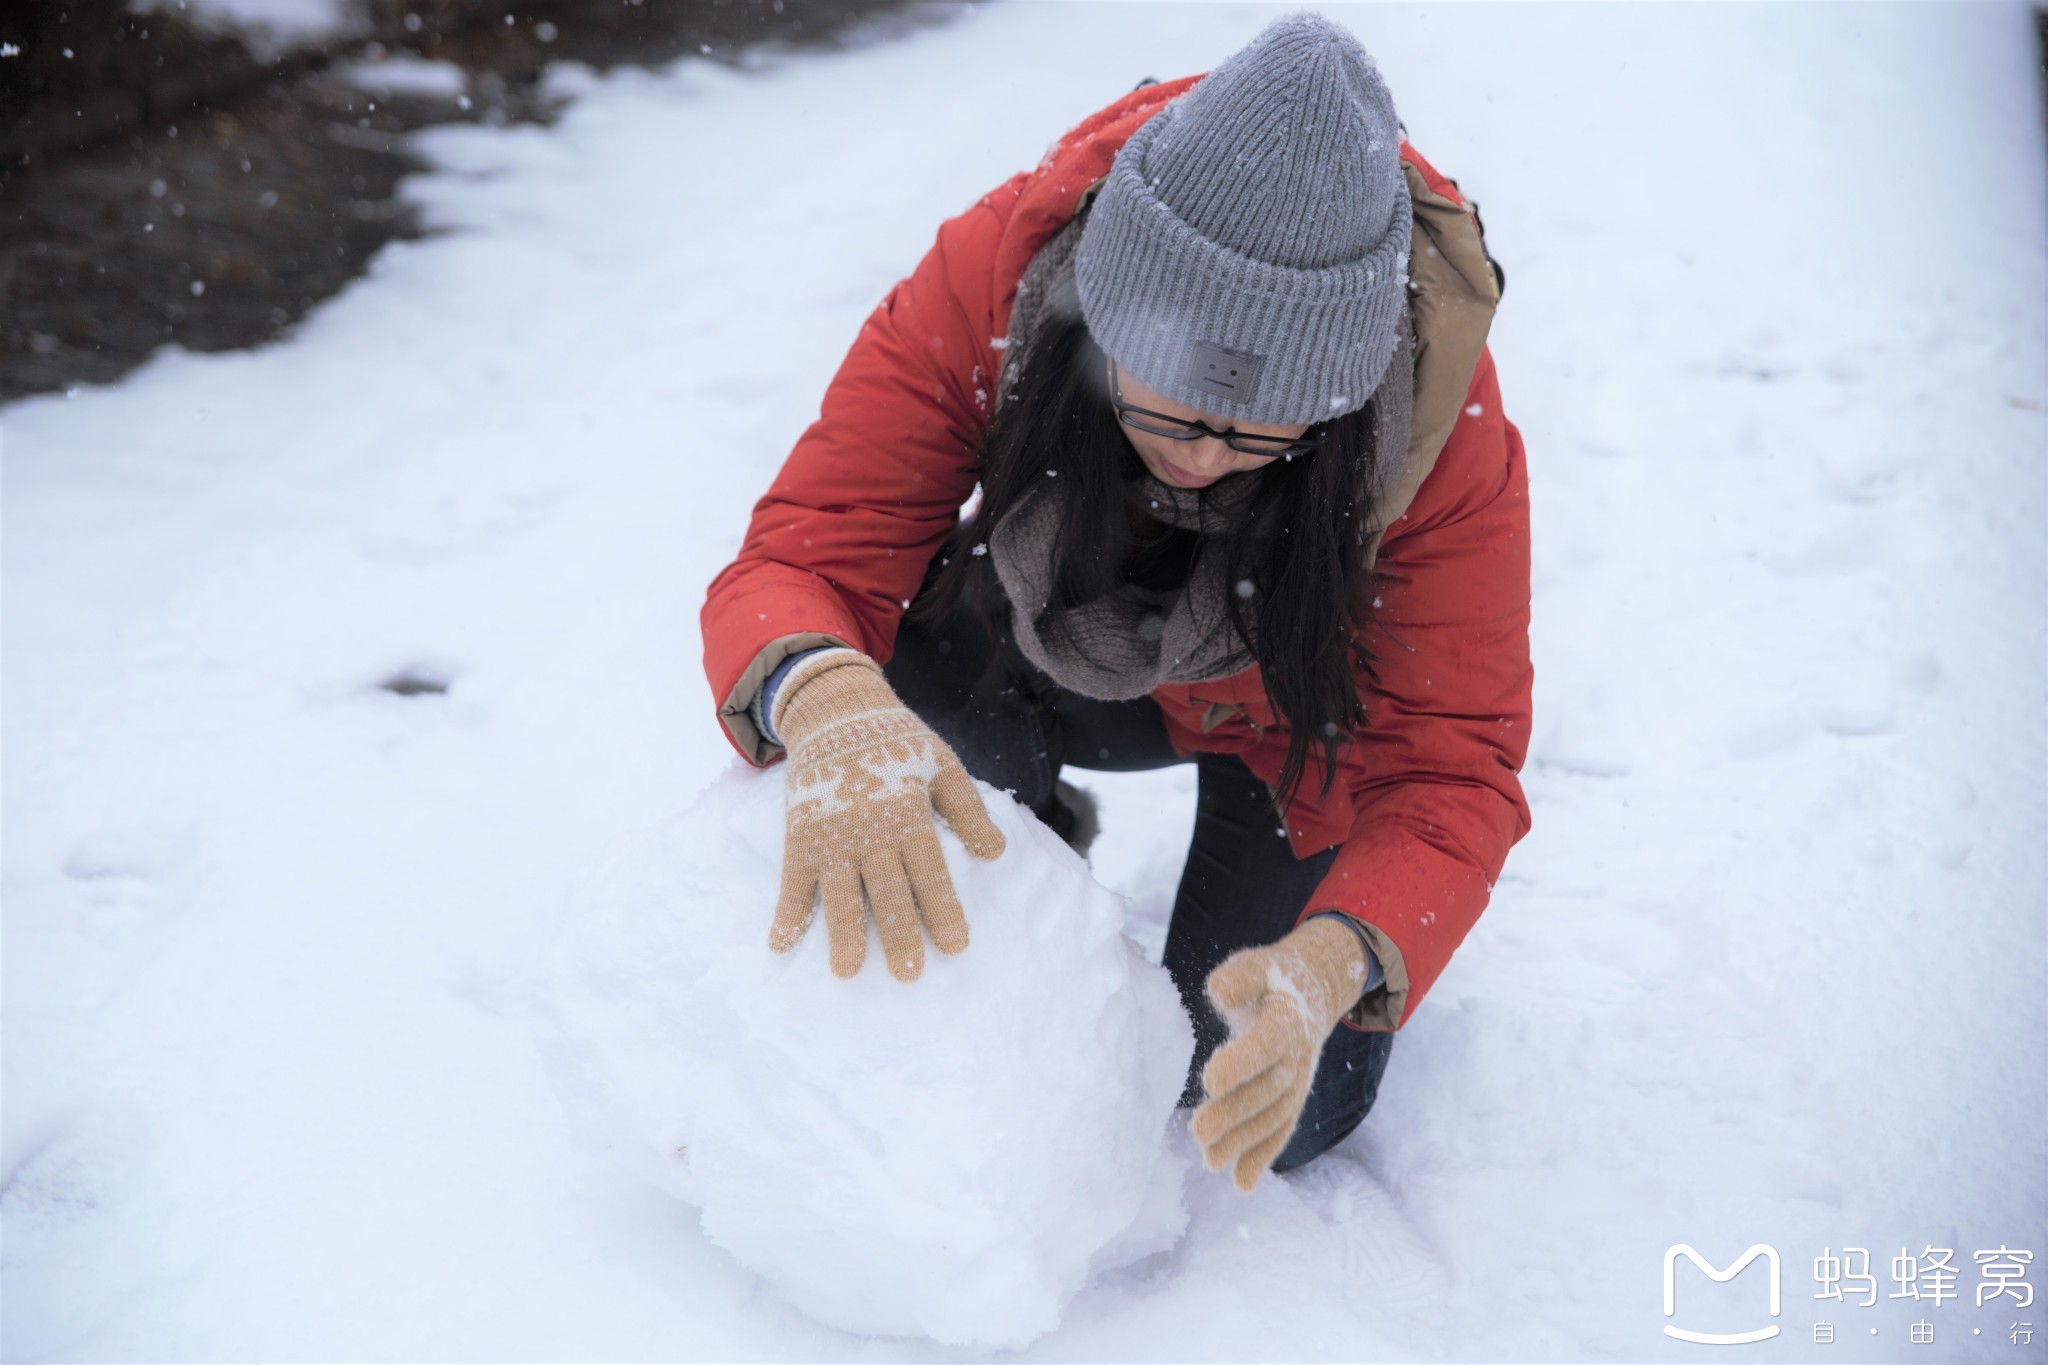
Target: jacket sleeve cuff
[(762, 709), (736, 711), (1386, 989), (1373, 974)]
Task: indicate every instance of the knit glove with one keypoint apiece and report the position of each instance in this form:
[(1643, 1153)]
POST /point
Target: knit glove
[(1281, 1002), (864, 776)]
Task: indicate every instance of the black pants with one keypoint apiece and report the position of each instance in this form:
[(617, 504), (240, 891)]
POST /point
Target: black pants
[(1242, 885)]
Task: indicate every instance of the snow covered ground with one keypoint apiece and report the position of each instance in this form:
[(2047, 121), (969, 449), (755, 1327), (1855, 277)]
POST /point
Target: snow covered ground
[(1771, 968), (270, 27)]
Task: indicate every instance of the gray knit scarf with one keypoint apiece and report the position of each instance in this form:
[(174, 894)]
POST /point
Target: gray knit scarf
[(1133, 640)]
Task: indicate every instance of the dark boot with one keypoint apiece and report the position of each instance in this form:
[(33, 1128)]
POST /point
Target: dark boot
[(1072, 815)]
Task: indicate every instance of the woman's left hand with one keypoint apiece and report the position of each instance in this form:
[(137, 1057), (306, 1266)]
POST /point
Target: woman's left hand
[(1281, 1002)]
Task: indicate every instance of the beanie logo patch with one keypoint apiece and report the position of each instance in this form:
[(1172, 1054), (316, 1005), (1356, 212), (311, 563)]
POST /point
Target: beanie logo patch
[(1225, 373)]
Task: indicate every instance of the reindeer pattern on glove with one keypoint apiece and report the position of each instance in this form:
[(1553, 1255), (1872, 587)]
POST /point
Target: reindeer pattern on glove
[(865, 775)]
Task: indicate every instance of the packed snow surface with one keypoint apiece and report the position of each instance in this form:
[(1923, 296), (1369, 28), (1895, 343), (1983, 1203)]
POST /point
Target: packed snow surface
[(944, 1158), (1771, 966)]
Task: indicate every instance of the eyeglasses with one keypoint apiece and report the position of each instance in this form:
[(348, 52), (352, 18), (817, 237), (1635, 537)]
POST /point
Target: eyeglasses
[(1181, 429)]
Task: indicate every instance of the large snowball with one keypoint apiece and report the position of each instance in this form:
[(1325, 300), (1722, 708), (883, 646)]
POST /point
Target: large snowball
[(951, 1157)]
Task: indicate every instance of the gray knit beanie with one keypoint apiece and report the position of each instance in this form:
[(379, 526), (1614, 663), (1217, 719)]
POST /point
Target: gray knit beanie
[(1248, 254)]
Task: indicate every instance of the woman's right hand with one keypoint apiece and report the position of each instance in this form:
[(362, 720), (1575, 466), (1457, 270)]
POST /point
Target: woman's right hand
[(864, 777)]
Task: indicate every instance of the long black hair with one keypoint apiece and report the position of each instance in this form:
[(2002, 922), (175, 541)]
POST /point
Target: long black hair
[(1295, 551)]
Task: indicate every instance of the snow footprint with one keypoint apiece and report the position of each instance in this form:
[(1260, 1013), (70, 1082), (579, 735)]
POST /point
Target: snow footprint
[(1382, 1252)]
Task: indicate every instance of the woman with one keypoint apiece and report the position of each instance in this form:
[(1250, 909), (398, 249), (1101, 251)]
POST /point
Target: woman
[(1248, 500)]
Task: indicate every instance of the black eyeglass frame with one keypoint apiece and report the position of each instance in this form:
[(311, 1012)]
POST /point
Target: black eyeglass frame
[(1184, 429)]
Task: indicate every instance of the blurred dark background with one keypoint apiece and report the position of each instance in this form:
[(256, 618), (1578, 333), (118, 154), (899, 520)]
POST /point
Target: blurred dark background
[(169, 176)]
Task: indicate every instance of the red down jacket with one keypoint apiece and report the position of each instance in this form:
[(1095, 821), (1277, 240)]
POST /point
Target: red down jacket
[(1427, 801)]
